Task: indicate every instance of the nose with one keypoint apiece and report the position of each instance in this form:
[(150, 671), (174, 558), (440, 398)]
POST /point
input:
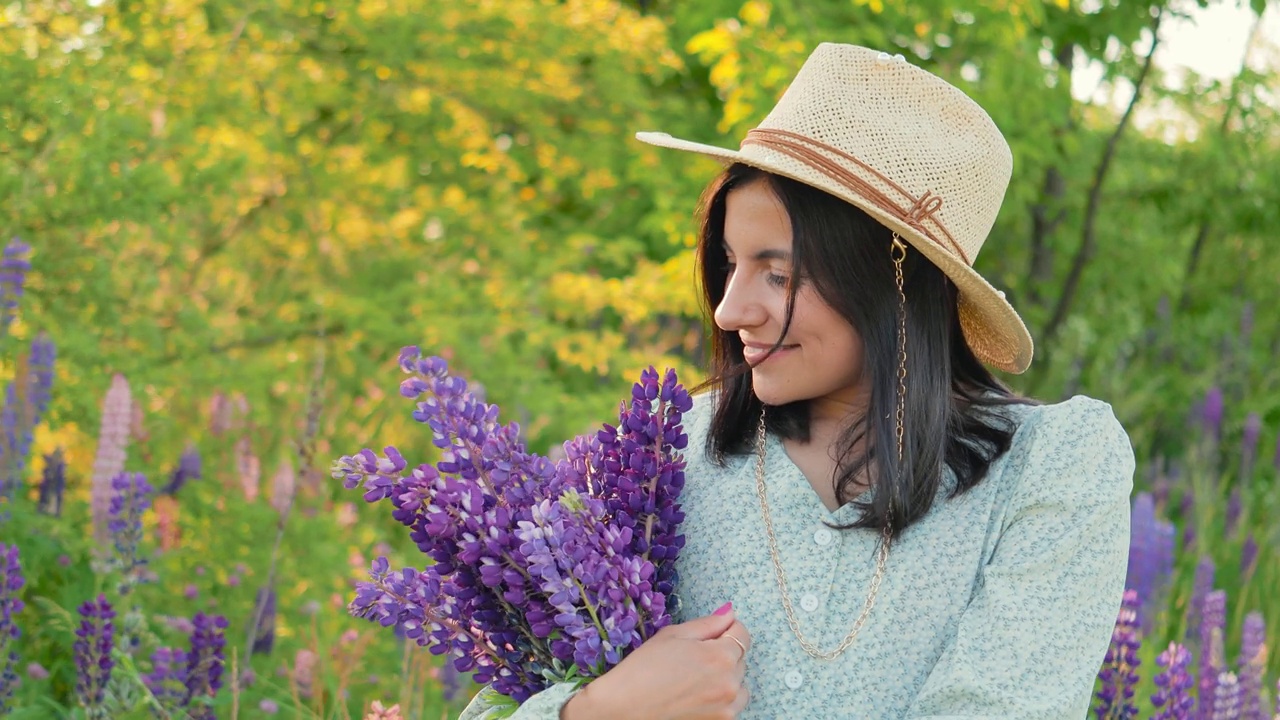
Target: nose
[(739, 308)]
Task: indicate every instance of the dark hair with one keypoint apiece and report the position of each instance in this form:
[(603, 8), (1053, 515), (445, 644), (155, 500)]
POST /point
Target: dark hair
[(846, 255)]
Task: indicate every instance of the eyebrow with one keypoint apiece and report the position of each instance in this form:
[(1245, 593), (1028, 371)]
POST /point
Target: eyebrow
[(766, 254)]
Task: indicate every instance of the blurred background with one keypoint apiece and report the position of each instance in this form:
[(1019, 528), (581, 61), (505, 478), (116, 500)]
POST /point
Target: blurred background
[(228, 217)]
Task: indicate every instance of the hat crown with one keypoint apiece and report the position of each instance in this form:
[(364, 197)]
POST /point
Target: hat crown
[(914, 134)]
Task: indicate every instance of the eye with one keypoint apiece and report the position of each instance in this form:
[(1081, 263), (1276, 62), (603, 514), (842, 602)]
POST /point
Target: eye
[(778, 280)]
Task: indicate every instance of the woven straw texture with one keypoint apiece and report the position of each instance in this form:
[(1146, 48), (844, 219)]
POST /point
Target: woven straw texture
[(911, 150)]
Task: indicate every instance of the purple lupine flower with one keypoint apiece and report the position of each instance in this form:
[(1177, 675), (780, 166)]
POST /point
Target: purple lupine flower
[(1213, 623), (43, 354), (451, 682), (53, 484), (113, 438), (1119, 673), (1248, 557), (26, 399), (1173, 685), (265, 637), (14, 266), (131, 496), (36, 671), (188, 468), (1252, 664), (1246, 322), (1233, 511), (167, 680), (573, 551), (1226, 697), (1151, 549), (11, 581), (1200, 587), (94, 641), (1249, 446), (205, 661), (1211, 411)]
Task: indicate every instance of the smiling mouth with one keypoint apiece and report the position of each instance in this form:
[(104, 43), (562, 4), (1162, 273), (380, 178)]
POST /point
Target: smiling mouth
[(754, 356)]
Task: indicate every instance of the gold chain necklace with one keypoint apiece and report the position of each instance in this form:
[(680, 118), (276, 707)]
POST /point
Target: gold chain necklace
[(883, 557)]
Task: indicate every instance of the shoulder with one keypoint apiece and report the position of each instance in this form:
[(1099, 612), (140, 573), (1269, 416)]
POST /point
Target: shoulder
[(697, 421), (1074, 450)]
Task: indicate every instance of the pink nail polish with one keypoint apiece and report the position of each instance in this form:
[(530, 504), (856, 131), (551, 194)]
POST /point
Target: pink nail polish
[(724, 608)]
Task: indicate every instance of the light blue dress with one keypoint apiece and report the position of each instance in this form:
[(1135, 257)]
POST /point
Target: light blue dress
[(997, 604)]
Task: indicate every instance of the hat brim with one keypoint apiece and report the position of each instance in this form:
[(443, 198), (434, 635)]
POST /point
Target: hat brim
[(994, 330)]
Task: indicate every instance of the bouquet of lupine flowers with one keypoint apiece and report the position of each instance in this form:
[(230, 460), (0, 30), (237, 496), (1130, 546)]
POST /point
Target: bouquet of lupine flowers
[(541, 572)]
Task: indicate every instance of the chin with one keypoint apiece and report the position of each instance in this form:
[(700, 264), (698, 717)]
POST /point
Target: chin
[(770, 394)]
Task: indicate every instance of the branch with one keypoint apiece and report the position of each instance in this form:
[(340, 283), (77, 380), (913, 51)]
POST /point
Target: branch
[(1088, 235), (1233, 101)]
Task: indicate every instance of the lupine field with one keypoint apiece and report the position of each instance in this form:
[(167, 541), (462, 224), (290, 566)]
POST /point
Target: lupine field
[(222, 222)]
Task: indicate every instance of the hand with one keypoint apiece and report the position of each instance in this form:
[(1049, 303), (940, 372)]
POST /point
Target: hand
[(690, 671)]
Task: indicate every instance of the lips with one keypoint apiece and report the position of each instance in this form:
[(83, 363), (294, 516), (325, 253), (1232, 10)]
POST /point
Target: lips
[(756, 354)]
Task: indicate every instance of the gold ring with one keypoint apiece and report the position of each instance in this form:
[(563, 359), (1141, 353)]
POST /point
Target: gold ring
[(744, 647)]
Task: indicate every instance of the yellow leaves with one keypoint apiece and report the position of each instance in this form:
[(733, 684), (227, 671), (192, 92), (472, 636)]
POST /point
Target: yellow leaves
[(588, 351)]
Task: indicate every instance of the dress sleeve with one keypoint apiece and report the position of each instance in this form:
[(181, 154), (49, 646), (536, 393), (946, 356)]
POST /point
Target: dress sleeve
[(1032, 639), (545, 705)]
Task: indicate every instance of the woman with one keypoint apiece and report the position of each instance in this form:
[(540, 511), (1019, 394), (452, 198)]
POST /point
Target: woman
[(875, 526)]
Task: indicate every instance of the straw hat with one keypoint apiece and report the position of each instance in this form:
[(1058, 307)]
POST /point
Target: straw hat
[(911, 150)]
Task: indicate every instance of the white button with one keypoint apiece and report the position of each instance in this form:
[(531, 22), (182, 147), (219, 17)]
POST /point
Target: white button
[(884, 57), (823, 536), (794, 679), (809, 602), (899, 58), (1000, 293)]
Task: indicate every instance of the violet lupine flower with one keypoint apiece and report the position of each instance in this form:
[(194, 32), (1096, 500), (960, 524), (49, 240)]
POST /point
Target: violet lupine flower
[(1233, 511), (113, 438), (94, 641), (265, 637), (11, 581), (131, 496), (14, 266), (1200, 587), (205, 662), (1151, 550), (167, 680), (1211, 411), (1213, 623), (26, 399), (537, 566), (188, 468), (1119, 674), (1249, 445), (1248, 557), (1252, 664), (1173, 685), (53, 484), (1226, 697)]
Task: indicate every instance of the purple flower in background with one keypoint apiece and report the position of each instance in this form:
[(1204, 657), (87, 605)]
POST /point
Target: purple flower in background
[(1151, 549), (53, 484), (1200, 587), (188, 469), (451, 681), (1119, 674), (1248, 557), (131, 496), (1213, 623), (36, 671), (167, 680), (1173, 685), (204, 664), (1233, 511), (539, 568), (11, 581), (265, 637), (94, 640), (1252, 665), (1249, 445), (1226, 697), (113, 438), (14, 266), (1211, 412)]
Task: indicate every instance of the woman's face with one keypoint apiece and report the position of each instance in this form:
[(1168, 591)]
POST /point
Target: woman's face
[(822, 357)]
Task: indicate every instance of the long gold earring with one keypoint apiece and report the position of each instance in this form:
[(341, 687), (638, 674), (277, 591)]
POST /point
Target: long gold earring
[(898, 251)]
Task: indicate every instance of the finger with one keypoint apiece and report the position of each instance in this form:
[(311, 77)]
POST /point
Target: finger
[(740, 701), (706, 627), (731, 648), (741, 632)]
